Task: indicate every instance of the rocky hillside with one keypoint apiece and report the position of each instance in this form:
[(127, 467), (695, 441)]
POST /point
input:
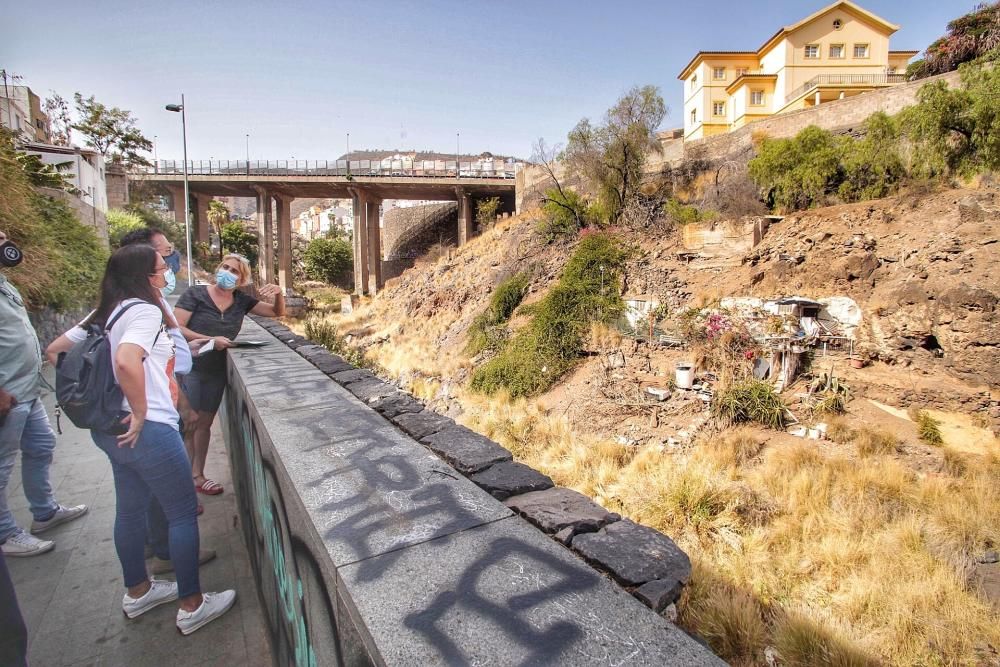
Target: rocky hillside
[(924, 267)]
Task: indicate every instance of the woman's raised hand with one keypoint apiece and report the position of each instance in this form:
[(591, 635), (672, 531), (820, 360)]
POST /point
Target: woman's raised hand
[(268, 291)]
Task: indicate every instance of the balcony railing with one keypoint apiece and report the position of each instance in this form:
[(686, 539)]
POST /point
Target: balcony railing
[(407, 167), (846, 80)]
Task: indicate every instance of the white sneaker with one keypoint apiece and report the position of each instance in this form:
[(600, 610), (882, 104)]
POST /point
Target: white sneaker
[(23, 544), (212, 606), (159, 592), (62, 515)]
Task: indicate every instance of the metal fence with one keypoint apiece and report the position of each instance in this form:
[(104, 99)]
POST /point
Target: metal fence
[(386, 168)]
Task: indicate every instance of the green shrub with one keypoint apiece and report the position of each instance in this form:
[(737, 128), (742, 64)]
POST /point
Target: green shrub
[(565, 213), (329, 260), (750, 401), (120, 223), (538, 356), (956, 130), (872, 166), (798, 173), (685, 214), (64, 259), (928, 428), (488, 330)]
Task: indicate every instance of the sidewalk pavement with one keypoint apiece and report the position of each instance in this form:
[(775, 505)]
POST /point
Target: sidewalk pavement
[(71, 597)]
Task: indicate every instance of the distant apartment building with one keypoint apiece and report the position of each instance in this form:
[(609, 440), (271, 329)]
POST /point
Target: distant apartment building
[(83, 168), (317, 221), (21, 111), (840, 51)]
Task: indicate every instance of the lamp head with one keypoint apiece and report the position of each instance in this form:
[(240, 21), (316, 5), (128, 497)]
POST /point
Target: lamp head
[(174, 107)]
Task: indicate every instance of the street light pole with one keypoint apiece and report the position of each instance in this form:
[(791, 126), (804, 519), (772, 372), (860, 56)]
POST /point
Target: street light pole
[(187, 193), (458, 155), (248, 154)]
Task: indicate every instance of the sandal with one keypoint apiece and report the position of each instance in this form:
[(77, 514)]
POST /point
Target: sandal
[(209, 487)]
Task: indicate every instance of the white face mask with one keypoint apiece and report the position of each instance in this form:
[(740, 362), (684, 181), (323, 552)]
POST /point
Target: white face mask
[(171, 279)]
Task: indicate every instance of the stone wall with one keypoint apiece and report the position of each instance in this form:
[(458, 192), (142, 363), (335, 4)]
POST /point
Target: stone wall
[(86, 213), (378, 537), (50, 324), (117, 186)]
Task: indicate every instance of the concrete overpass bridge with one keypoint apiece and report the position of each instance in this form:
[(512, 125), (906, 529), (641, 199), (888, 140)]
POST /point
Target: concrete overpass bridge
[(274, 184)]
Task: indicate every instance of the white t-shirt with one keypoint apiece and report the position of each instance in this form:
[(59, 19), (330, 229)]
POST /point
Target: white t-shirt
[(141, 325)]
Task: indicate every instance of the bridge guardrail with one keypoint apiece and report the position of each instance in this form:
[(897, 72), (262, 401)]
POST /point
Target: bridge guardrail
[(497, 169)]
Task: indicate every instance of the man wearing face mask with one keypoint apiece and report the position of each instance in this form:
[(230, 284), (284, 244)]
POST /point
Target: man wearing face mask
[(24, 424)]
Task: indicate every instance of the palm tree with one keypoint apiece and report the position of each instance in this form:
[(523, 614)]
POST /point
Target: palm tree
[(218, 215)]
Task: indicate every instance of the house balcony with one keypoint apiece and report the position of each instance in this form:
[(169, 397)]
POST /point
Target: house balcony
[(857, 82)]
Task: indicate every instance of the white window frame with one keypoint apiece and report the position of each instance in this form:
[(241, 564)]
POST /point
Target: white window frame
[(718, 108), (715, 73), (817, 51), (753, 93), (740, 71), (694, 81), (694, 116), (843, 51), (866, 47)]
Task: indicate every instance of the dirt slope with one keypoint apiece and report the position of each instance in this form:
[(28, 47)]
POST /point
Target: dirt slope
[(924, 267)]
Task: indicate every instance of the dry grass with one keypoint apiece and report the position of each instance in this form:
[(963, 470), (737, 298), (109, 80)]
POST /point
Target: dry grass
[(872, 441), (838, 430), (831, 562), (734, 449)]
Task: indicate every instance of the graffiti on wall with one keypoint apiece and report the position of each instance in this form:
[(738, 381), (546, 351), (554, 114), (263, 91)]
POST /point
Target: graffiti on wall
[(297, 604)]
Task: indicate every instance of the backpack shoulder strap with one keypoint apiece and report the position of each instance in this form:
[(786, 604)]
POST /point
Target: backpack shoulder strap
[(114, 320)]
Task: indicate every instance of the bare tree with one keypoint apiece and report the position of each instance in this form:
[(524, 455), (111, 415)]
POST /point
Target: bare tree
[(60, 123), (546, 157)]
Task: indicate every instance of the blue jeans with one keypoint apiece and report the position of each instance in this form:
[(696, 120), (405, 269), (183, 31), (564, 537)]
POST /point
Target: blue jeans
[(27, 429), (158, 467)]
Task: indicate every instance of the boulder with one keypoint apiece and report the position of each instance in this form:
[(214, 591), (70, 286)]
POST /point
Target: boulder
[(396, 404), (346, 378), (635, 554), (371, 389), (659, 593), (421, 424), (555, 509), (510, 478), (466, 451)]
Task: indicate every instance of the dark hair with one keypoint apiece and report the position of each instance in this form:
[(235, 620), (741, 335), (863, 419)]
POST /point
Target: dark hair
[(141, 235), (127, 277)]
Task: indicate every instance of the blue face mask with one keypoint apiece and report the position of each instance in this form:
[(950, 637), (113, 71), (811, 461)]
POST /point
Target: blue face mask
[(224, 279), (171, 283)]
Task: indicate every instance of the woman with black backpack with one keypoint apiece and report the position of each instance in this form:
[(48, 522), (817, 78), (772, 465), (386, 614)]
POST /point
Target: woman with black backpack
[(147, 452)]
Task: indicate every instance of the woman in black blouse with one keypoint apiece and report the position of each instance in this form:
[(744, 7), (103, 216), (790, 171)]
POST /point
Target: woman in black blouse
[(216, 311)]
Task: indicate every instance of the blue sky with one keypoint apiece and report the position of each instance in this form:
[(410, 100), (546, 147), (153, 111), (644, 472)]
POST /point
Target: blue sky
[(298, 76)]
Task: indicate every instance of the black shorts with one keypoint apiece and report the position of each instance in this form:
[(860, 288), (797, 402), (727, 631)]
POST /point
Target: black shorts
[(204, 390)]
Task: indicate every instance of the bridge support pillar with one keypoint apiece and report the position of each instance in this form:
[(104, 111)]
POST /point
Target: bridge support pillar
[(374, 245), (265, 230), (465, 229), (177, 197), (360, 209), (200, 222), (284, 205)]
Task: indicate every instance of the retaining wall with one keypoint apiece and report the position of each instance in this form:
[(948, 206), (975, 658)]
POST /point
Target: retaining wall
[(50, 324), (370, 549)]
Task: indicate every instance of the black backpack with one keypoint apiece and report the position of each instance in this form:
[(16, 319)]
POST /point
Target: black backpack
[(86, 390)]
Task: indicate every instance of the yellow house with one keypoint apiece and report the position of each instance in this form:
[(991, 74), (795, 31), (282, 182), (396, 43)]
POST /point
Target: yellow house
[(840, 51)]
